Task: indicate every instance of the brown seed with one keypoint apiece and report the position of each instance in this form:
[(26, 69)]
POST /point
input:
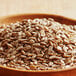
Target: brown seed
[(33, 67), (28, 33), (36, 44)]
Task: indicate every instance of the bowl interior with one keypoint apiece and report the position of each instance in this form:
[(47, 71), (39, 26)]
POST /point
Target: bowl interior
[(14, 18)]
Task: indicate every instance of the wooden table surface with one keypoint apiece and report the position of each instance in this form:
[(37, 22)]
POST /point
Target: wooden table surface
[(61, 7)]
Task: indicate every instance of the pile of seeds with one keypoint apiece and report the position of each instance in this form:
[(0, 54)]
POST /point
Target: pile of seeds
[(38, 44)]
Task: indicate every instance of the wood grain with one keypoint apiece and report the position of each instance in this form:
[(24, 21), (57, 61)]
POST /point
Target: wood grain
[(61, 7)]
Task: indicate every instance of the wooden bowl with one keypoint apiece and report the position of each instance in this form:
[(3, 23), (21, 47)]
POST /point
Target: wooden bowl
[(6, 71)]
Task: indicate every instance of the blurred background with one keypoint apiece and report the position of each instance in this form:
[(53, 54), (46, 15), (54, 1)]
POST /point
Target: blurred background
[(61, 7)]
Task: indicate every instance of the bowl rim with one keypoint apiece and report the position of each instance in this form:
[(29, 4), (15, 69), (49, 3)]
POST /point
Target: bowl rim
[(40, 71), (22, 14)]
